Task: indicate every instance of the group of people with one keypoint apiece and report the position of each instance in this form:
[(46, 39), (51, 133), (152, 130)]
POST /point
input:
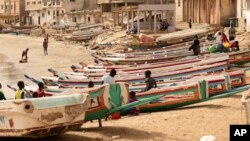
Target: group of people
[(222, 44), (132, 31), (22, 93), (150, 83)]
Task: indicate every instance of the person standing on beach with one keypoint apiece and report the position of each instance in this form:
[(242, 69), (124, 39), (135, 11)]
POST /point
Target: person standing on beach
[(25, 54), (231, 33), (190, 23), (2, 97), (150, 82), (45, 46), (109, 79)]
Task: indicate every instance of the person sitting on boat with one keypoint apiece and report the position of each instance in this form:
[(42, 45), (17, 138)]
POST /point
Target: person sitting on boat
[(195, 46), (150, 82), (40, 90), (218, 38), (109, 79), (90, 84), (35, 95), (20, 92), (2, 97), (132, 98), (25, 54)]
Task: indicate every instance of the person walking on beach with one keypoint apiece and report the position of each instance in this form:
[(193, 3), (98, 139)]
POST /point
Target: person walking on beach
[(40, 90), (20, 92), (195, 46), (25, 54), (109, 79), (45, 46), (150, 82), (2, 97)]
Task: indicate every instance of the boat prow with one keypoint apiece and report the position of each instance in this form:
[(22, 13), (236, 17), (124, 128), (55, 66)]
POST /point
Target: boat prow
[(40, 117)]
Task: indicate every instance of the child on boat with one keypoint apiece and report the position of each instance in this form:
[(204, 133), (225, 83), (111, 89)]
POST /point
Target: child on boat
[(2, 97), (40, 90), (133, 111), (20, 92), (150, 82)]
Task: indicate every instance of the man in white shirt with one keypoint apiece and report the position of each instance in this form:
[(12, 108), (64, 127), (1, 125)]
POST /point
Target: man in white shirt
[(218, 38), (109, 79)]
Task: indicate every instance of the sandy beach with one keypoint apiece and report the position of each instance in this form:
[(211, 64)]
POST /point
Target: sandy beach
[(184, 124)]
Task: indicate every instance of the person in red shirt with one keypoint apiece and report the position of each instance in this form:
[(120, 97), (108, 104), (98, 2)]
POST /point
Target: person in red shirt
[(40, 90)]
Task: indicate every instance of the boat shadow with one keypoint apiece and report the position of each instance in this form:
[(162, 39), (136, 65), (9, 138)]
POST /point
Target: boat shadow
[(63, 137), (207, 106), (124, 133)]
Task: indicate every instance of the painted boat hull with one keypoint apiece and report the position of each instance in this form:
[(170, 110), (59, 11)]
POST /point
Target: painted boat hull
[(42, 117)]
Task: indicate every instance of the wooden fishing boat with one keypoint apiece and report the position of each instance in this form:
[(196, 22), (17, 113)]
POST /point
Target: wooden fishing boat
[(140, 69), (42, 117), (188, 93), (138, 79)]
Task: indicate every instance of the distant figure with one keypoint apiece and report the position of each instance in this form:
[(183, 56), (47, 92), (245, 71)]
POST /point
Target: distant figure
[(90, 84), (2, 97), (25, 54), (109, 79), (45, 46), (190, 23), (40, 90), (218, 38), (195, 46), (35, 95), (150, 82), (20, 91), (224, 38), (132, 98), (236, 46), (134, 30), (231, 33), (129, 30)]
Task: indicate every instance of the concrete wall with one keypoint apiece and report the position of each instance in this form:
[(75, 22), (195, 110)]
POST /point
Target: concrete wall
[(179, 10), (228, 10), (248, 16)]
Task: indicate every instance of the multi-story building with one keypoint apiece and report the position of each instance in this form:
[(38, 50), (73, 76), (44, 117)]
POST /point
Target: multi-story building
[(50, 11), (243, 14), (12, 11)]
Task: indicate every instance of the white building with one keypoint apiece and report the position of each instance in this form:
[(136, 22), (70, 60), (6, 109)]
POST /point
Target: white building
[(243, 14), (50, 11)]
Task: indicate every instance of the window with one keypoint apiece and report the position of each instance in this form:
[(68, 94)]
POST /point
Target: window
[(54, 12), (1, 6), (53, 3), (62, 11), (33, 2), (45, 3), (72, 0), (88, 19), (28, 3), (57, 12), (58, 3), (48, 12), (43, 15), (39, 2)]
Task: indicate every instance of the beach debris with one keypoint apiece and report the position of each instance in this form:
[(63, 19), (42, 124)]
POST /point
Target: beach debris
[(116, 137), (208, 138)]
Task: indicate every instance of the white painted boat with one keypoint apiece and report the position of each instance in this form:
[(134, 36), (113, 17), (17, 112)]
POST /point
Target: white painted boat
[(40, 117)]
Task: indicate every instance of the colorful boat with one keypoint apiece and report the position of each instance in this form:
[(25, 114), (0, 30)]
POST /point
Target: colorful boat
[(42, 117)]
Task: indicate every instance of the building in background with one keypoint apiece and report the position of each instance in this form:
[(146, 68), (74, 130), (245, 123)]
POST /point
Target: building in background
[(243, 14), (12, 12), (43, 12), (206, 11)]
